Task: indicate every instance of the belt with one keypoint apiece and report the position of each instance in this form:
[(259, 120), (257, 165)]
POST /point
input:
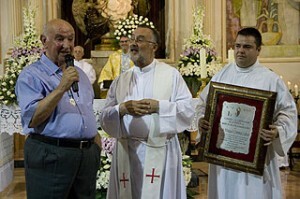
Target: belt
[(144, 141), (63, 142)]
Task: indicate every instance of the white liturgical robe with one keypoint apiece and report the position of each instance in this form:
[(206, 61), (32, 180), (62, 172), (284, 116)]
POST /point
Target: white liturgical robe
[(87, 68), (175, 115), (227, 183)]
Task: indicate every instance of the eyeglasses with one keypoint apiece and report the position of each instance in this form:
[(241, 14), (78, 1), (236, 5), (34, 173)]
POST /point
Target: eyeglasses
[(140, 40)]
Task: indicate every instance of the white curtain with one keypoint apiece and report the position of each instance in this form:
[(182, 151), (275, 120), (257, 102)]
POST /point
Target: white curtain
[(10, 25), (179, 25)]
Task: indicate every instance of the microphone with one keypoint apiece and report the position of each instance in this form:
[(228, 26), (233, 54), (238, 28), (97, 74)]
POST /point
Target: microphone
[(70, 62)]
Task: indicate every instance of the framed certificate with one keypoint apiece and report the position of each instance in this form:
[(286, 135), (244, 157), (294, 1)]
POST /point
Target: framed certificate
[(236, 116)]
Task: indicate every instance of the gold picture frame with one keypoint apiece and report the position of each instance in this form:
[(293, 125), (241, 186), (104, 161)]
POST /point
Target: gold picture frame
[(236, 116)]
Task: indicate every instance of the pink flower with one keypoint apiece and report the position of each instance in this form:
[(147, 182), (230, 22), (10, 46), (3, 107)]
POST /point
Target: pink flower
[(108, 144)]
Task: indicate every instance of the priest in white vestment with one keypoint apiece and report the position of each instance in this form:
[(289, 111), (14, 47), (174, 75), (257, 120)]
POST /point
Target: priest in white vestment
[(248, 72), (146, 107)]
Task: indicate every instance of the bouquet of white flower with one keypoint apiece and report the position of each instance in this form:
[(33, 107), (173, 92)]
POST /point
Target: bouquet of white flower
[(189, 62), (108, 144), (187, 165), (127, 26), (26, 51)]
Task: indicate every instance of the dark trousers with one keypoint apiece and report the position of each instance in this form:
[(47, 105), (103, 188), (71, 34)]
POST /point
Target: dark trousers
[(54, 172)]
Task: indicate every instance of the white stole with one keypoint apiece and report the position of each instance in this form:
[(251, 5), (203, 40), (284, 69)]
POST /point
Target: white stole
[(156, 143)]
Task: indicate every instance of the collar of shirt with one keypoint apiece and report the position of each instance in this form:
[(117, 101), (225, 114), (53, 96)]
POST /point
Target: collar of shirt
[(125, 54), (248, 69), (51, 67), (146, 68), (78, 63)]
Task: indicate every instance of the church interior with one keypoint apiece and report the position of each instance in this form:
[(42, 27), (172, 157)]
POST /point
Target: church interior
[(178, 23)]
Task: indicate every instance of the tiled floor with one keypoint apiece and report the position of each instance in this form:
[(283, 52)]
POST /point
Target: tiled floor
[(16, 190), (290, 183)]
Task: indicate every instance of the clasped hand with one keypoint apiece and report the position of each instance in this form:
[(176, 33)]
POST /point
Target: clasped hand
[(267, 135), (139, 107)]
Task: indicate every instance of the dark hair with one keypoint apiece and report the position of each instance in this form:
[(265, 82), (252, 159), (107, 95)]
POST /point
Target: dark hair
[(251, 32), (155, 33)]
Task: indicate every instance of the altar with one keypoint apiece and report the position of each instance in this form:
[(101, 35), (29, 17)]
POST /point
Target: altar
[(6, 160), (10, 123)]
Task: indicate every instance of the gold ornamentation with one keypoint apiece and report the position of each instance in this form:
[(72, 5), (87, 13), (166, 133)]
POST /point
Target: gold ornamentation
[(204, 82)]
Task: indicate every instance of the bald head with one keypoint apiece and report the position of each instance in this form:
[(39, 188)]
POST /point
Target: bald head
[(79, 48), (58, 40), (78, 52), (54, 25)]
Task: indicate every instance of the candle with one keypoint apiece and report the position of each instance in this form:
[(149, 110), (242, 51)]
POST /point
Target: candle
[(289, 85), (203, 63), (230, 55), (296, 90)]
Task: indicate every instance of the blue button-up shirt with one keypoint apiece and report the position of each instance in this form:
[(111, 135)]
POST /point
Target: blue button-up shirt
[(37, 81)]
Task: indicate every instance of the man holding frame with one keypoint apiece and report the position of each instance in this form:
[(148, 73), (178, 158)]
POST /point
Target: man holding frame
[(248, 72)]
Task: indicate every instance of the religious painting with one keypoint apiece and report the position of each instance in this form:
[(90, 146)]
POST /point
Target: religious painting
[(236, 116), (277, 20)]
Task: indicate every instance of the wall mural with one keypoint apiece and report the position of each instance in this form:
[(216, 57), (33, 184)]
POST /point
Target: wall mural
[(277, 20)]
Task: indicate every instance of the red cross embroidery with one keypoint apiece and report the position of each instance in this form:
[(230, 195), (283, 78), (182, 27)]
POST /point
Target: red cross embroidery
[(124, 180), (152, 175)]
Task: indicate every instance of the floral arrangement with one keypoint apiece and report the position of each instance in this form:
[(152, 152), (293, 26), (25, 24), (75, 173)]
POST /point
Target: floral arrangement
[(27, 50), (127, 26), (103, 174), (189, 61), (187, 165)]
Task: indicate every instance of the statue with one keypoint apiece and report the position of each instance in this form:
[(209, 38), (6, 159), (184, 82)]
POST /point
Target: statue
[(96, 18), (96, 25), (89, 20)]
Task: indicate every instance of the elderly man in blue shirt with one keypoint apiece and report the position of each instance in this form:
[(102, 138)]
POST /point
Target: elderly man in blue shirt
[(61, 152)]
